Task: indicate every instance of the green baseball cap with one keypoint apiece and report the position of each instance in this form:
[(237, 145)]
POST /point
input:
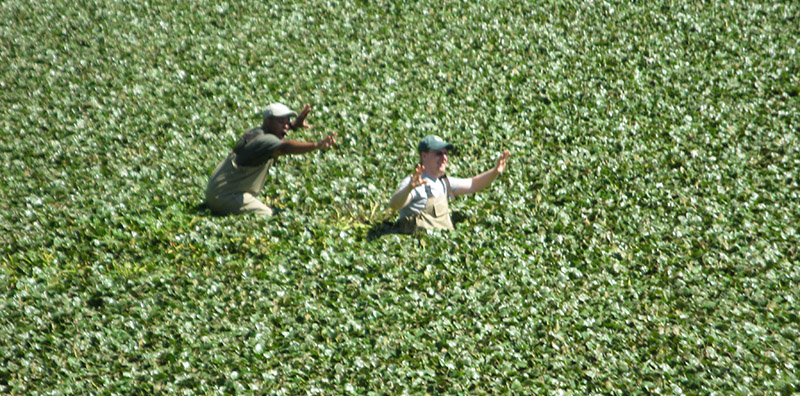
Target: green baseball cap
[(432, 142)]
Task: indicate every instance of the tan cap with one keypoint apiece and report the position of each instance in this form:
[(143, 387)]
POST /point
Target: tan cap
[(277, 110)]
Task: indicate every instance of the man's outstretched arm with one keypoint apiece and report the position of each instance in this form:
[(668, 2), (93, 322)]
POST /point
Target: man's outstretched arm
[(483, 180), (295, 147)]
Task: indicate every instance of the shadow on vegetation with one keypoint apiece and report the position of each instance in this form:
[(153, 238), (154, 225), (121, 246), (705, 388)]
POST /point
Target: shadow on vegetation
[(202, 210), (382, 228), (387, 227), (457, 217)]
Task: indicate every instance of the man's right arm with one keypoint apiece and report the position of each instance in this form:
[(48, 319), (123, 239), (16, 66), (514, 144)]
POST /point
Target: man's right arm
[(401, 197)]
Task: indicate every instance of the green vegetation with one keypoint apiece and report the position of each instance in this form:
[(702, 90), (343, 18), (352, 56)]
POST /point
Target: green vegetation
[(642, 241)]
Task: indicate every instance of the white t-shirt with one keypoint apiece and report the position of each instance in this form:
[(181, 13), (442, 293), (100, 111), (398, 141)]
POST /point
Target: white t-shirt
[(419, 198)]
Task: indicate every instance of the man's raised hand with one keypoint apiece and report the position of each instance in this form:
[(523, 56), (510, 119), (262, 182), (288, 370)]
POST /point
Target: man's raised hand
[(501, 162), (416, 178), (300, 121)]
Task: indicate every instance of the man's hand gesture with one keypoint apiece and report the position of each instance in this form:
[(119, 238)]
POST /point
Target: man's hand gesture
[(300, 121), (501, 162), (326, 143), (416, 178)]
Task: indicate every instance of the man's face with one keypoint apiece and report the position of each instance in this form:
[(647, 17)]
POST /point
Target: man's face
[(435, 162), (278, 126)]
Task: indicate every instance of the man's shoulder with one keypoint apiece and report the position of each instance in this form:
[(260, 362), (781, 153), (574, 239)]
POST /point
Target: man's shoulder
[(457, 183), (263, 136), (265, 141), (252, 133), (406, 180)]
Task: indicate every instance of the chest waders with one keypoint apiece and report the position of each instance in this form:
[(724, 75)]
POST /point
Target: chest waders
[(436, 214), (234, 189)]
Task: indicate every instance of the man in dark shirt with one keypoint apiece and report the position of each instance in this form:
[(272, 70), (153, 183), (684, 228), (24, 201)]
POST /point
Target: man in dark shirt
[(235, 184)]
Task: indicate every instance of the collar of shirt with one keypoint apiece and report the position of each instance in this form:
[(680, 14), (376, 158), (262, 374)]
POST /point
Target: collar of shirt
[(431, 178), (437, 185)]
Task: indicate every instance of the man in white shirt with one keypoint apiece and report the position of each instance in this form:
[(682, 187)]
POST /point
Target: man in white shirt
[(422, 198)]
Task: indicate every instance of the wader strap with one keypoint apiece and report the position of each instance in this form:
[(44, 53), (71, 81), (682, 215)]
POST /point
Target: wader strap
[(450, 193)]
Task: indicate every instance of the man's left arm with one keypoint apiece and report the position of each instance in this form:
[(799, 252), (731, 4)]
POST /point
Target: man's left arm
[(483, 180), (295, 147)]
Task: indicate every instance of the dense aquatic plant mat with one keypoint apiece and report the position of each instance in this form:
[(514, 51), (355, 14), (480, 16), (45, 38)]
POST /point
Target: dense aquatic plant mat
[(642, 241)]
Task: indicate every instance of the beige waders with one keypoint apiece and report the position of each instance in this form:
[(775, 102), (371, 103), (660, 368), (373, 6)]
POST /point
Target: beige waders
[(436, 214), (234, 189)]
